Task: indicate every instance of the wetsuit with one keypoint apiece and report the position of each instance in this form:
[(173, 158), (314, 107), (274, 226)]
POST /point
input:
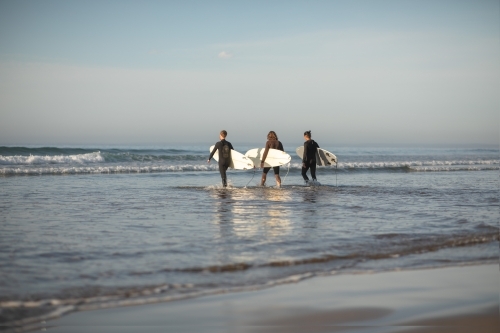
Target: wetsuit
[(272, 144), (224, 147), (309, 159)]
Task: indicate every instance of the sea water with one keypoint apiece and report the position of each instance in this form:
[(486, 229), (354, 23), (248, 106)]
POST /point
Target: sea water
[(86, 227)]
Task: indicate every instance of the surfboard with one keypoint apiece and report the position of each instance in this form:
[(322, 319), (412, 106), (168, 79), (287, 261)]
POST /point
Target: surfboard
[(323, 157), (238, 160), (274, 157)]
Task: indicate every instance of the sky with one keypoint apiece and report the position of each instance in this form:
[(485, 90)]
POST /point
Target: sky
[(160, 72)]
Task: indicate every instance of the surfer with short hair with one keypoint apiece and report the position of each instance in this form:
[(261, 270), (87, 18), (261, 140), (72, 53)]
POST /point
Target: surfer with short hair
[(272, 143), (224, 147), (309, 157)]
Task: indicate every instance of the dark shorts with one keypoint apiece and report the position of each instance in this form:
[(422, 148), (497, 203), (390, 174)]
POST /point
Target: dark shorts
[(275, 169)]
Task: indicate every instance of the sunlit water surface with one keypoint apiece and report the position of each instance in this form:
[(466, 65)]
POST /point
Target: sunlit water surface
[(76, 224)]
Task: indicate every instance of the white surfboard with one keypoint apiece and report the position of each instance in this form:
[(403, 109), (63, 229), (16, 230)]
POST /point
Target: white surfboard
[(274, 157), (323, 157), (238, 160)]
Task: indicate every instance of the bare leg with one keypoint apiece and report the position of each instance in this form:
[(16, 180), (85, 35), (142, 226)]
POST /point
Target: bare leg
[(263, 180), (278, 180)]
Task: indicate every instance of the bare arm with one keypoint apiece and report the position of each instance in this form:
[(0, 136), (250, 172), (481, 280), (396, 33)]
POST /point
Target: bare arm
[(266, 151)]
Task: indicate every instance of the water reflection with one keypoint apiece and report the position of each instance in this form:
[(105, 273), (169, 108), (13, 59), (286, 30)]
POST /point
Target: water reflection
[(310, 194), (276, 194), (277, 214), (310, 207), (223, 205), (310, 198), (235, 213), (253, 212)]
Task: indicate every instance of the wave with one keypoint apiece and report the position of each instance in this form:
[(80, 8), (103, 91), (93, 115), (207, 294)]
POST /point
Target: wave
[(24, 160), (414, 166), (24, 312), (99, 163), (31, 315), (73, 170), (399, 247), (131, 157), (409, 166), (95, 157)]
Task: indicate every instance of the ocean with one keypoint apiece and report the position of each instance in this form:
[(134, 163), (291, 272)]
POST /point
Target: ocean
[(92, 227)]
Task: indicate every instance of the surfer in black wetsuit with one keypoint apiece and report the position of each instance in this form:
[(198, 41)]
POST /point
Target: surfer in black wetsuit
[(309, 157), (224, 147), (272, 143)]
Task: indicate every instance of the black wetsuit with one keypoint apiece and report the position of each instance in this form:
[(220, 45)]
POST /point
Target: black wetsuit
[(309, 159), (272, 144), (224, 147)]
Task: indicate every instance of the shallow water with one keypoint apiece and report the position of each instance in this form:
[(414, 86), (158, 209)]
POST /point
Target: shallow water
[(80, 223)]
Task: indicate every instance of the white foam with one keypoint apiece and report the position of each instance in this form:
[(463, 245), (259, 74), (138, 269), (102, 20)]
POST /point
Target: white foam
[(102, 169), (414, 164), (454, 168), (94, 163), (409, 164), (95, 157)]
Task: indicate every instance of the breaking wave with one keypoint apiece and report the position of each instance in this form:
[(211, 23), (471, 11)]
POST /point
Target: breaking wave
[(74, 170), (96, 163), (58, 161), (95, 157)]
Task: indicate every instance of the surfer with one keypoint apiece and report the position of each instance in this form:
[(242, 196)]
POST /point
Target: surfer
[(309, 157), (224, 147), (272, 142)]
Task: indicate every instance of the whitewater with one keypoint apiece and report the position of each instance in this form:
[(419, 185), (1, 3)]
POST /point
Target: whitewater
[(51, 160)]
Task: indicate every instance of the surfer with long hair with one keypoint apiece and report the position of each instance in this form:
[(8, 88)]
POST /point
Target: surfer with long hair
[(224, 147), (309, 157), (272, 143)]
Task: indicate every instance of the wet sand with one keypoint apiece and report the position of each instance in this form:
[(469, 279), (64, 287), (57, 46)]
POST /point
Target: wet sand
[(454, 299)]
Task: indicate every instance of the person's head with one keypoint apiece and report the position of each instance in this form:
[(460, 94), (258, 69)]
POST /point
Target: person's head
[(222, 134), (307, 135), (272, 135)]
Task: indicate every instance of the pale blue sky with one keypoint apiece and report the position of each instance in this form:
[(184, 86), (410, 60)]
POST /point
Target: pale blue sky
[(130, 72)]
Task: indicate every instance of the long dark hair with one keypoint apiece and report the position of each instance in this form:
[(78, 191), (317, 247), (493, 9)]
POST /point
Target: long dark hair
[(272, 135), (308, 134)]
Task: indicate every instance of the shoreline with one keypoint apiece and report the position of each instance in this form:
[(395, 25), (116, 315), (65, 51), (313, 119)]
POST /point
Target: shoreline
[(418, 300)]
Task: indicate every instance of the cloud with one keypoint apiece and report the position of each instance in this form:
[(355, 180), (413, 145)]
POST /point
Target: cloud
[(225, 55)]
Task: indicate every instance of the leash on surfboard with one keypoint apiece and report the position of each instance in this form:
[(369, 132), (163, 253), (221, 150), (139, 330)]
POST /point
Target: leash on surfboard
[(336, 166), (286, 174), (251, 178)]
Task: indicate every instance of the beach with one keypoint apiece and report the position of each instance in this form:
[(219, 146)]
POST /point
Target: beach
[(453, 299)]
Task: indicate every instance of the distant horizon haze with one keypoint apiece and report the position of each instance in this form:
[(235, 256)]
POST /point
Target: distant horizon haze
[(146, 73)]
